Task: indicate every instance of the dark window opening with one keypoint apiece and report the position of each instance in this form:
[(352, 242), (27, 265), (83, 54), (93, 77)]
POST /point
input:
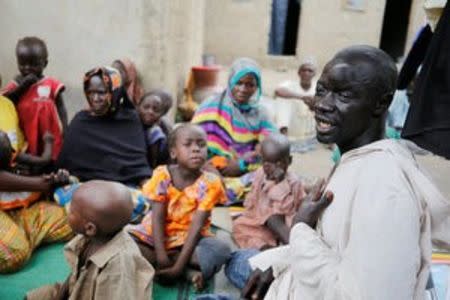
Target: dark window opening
[(395, 27), (284, 27)]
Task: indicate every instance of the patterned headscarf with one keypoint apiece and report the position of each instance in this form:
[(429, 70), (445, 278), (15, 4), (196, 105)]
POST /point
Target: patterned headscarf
[(109, 147), (240, 68), (113, 82), (234, 129), (134, 89)]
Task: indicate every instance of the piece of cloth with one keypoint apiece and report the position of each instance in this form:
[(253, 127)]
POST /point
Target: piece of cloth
[(38, 114), (428, 122), (220, 296), (375, 239), (115, 271), (234, 129), (238, 187), (415, 58), (202, 195), (9, 123), (135, 90), (238, 268), (266, 199), (155, 135), (294, 113), (13, 200), (109, 147), (141, 205), (23, 230), (398, 110), (212, 254), (390, 133)]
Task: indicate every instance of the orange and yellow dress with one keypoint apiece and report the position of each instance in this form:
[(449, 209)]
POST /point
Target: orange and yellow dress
[(202, 195)]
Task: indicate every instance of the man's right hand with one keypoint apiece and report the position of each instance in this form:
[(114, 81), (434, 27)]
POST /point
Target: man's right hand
[(315, 202)]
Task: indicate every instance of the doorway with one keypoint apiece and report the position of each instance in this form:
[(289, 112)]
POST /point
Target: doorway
[(285, 18), (395, 27)]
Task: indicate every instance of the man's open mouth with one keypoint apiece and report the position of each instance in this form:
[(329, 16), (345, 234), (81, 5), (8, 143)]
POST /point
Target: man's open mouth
[(323, 125)]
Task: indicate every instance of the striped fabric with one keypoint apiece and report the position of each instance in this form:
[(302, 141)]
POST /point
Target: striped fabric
[(12, 200), (439, 257), (234, 129), (23, 230)]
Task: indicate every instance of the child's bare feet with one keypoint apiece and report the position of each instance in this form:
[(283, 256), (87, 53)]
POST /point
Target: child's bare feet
[(196, 278)]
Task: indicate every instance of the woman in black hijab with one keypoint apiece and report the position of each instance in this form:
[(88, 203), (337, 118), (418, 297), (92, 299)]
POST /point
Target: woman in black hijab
[(107, 141)]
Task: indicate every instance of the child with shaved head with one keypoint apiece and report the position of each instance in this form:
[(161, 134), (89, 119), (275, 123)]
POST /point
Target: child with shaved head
[(270, 207), (106, 262)]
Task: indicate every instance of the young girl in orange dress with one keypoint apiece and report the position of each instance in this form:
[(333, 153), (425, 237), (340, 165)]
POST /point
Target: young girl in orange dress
[(175, 235)]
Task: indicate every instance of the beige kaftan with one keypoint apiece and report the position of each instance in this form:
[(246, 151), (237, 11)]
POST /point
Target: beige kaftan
[(373, 241)]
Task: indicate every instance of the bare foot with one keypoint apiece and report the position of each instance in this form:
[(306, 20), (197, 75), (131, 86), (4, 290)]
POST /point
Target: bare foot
[(196, 278)]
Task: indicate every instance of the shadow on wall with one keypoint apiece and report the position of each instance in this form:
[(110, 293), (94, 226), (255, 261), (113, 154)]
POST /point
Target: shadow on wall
[(74, 99)]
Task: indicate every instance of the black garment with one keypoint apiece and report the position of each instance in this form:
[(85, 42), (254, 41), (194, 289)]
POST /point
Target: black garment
[(428, 120), (109, 147), (415, 58), (106, 147)]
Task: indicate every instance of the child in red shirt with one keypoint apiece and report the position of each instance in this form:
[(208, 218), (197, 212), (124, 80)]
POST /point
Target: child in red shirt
[(38, 98)]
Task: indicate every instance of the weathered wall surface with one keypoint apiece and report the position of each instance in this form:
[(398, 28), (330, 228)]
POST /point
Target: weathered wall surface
[(325, 27), (163, 37), (235, 28)]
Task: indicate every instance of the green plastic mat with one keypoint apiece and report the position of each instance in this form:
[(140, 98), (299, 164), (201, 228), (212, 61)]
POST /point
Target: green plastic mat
[(48, 266)]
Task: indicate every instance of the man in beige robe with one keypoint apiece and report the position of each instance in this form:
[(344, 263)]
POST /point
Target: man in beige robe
[(374, 240)]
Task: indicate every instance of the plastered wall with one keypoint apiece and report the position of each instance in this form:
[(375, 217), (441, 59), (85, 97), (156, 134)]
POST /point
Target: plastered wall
[(236, 28), (164, 38)]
